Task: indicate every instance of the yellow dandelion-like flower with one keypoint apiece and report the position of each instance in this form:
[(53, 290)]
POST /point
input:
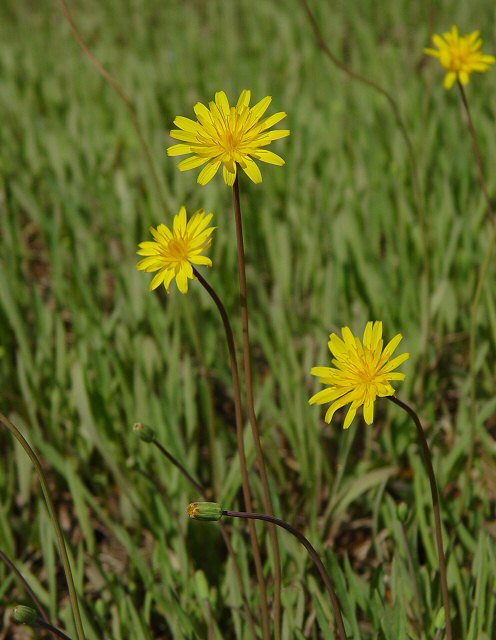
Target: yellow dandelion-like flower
[(460, 55), (174, 252), (362, 373), (229, 136)]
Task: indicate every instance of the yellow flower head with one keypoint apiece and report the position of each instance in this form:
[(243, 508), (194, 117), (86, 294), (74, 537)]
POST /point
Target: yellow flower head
[(229, 136), (362, 372), (460, 55), (174, 253)]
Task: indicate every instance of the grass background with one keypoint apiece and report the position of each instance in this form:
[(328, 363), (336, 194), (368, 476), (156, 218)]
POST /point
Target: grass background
[(332, 239)]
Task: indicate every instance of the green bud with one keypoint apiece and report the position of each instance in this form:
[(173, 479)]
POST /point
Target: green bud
[(402, 512), (147, 434), (24, 615), (205, 511)]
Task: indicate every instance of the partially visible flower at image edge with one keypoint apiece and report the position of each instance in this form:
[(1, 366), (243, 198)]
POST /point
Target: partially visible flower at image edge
[(460, 55), (174, 252), (362, 373), (227, 135)]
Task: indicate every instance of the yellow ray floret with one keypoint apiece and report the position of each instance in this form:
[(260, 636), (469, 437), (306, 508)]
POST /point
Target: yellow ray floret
[(460, 55), (362, 372), (174, 251), (228, 136)]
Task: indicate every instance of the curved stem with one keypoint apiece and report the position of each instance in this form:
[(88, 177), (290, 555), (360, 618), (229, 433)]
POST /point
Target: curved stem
[(203, 493), (241, 445), (353, 75), (267, 499), (131, 109), (483, 268), (435, 506), (311, 550), (53, 516), (53, 630), (25, 584), (165, 452)]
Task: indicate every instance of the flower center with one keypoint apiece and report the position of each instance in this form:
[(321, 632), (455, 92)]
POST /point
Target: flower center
[(178, 249), (367, 371)]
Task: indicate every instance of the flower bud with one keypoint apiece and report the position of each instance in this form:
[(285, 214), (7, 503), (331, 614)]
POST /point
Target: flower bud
[(147, 434), (24, 615), (205, 511)]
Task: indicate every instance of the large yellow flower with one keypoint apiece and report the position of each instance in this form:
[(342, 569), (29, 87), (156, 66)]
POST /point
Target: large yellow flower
[(174, 253), (460, 55), (363, 372), (229, 136)]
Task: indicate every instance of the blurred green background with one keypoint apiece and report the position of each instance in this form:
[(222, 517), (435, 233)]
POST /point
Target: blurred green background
[(332, 239)]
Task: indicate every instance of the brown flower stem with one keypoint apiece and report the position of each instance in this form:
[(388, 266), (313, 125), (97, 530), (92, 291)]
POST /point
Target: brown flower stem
[(25, 584), (56, 525), (210, 417), (483, 268), (131, 109), (205, 495), (241, 445), (167, 454), (435, 506), (311, 550), (53, 630), (267, 499), (353, 75)]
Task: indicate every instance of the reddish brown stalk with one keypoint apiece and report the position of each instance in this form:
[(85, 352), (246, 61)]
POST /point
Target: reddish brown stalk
[(25, 584), (426, 453), (353, 75), (241, 446), (203, 493), (313, 554), (251, 408), (131, 109)]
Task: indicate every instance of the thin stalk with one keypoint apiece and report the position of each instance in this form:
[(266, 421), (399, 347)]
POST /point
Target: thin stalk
[(211, 431), (205, 495), (267, 499), (53, 630), (353, 75), (481, 277), (131, 109), (25, 584), (241, 445), (53, 516), (435, 506), (311, 550)]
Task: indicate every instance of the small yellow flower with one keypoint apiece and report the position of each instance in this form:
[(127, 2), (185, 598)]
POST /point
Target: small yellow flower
[(229, 136), (174, 253), (363, 372), (460, 55)]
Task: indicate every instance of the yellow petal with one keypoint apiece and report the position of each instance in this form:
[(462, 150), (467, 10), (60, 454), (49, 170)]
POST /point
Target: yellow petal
[(349, 417), (449, 80), (178, 149), (368, 412), (187, 124), (257, 111), (208, 172), (182, 281), (222, 102), (269, 157), (201, 260), (252, 171), (157, 280), (191, 163), (229, 176), (244, 99)]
